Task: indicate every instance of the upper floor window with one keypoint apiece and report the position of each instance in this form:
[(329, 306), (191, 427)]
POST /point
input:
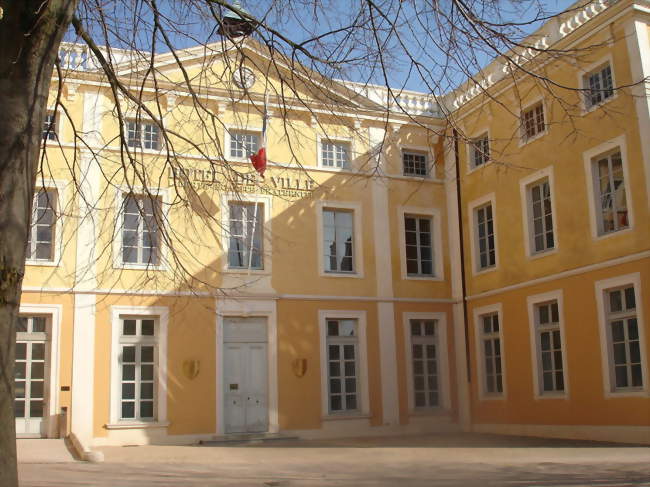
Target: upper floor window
[(480, 150), (624, 345), (335, 154), (143, 135), (532, 121), (540, 216), (50, 126), (40, 241), (490, 346), (419, 245), (243, 144), (338, 240), (414, 163), (342, 365), (548, 339), (138, 352), (140, 230), (611, 200), (485, 243), (598, 86), (245, 247)]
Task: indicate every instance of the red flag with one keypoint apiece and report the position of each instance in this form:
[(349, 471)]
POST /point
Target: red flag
[(259, 161)]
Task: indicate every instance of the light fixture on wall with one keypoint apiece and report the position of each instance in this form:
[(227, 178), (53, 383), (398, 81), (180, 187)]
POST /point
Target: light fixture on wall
[(299, 366), (191, 368)]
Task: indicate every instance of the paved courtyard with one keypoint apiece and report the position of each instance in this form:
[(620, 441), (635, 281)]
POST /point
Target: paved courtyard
[(465, 460)]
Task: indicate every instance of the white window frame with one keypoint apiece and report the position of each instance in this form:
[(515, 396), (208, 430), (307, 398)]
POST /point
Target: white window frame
[(238, 128), (442, 355), (618, 143), (163, 195), (161, 315), (523, 138), (428, 154), (362, 362), (142, 118), (61, 204), (59, 124), (478, 313), (583, 76), (601, 287), (470, 150), (438, 262), (532, 302), (53, 314), (246, 198), (525, 185), (346, 140), (473, 234), (357, 247)]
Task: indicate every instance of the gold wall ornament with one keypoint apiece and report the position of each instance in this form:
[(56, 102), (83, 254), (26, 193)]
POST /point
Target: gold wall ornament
[(191, 368), (299, 366)]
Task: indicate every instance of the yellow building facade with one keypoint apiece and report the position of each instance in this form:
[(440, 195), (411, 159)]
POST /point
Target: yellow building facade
[(348, 291)]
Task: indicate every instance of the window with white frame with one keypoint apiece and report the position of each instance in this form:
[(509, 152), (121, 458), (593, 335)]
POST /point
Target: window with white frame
[(485, 244), (335, 153), (419, 245), (480, 150), (49, 126), (243, 143), (540, 214), (611, 198), (490, 343), (598, 85), (138, 345), (623, 339), (414, 163), (338, 240), (245, 247), (141, 217), (342, 365), (424, 356), (143, 135), (41, 238), (549, 347), (532, 121)]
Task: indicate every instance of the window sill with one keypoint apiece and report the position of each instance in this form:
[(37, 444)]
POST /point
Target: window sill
[(623, 231), (422, 278), (42, 263), (551, 395), (126, 425), (345, 417), (487, 270), (523, 142), (139, 267), (246, 271), (354, 275), (627, 393), (587, 110), (543, 253), (434, 411), (416, 176)]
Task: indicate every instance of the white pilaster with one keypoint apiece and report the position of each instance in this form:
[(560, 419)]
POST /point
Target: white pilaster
[(384, 271), (636, 33)]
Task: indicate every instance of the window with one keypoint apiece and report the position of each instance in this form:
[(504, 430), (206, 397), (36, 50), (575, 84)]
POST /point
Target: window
[(424, 354), (541, 216), (342, 365), (598, 86), (485, 244), (140, 230), (30, 370), (490, 341), (480, 150), (40, 241), (611, 200), (245, 248), (49, 127), (243, 144), (143, 135), (138, 345), (335, 154), (549, 347), (623, 338), (419, 246), (338, 243), (532, 121), (415, 164)]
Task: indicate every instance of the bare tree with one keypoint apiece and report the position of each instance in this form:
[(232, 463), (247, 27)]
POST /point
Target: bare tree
[(383, 46)]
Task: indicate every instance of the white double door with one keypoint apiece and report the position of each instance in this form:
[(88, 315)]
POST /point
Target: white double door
[(245, 375)]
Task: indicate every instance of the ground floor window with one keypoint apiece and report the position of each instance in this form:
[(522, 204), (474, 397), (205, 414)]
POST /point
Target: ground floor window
[(342, 364), (30, 368), (490, 344), (424, 356)]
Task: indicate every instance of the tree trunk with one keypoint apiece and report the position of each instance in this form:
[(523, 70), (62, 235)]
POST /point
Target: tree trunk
[(30, 34)]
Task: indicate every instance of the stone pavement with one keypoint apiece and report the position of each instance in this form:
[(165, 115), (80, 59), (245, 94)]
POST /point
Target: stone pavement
[(467, 460)]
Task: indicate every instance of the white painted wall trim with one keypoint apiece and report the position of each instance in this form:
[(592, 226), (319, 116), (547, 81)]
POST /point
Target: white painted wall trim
[(233, 307), (54, 313), (442, 354), (83, 368), (573, 272)]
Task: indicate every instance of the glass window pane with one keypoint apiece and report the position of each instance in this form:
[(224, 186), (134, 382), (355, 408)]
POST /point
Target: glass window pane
[(128, 390), (129, 327), (128, 410), (146, 372), (128, 354), (148, 327), (38, 351), (36, 409), (146, 409)]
